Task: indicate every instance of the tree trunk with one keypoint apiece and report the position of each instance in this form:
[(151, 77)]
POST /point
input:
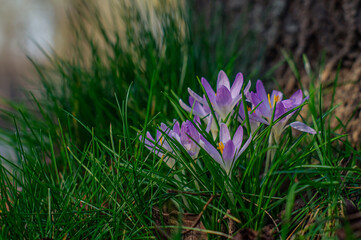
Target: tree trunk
[(322, 28)]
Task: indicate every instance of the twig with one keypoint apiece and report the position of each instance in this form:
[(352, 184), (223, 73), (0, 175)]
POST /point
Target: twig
[(196, 221)]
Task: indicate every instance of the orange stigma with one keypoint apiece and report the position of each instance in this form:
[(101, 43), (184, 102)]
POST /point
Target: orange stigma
[(276, 99), (220, 147)]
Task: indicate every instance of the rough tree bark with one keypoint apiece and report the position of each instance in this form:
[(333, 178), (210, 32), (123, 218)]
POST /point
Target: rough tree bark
[(331, 28)]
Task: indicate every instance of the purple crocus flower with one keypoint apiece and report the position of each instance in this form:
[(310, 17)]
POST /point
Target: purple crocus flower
[(227, 149), (187, 135), (203, 112), (225, 98), (253, 118), (267, 104), (160, 145)]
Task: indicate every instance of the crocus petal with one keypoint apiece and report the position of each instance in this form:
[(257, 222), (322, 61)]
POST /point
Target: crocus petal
[(244, 147), (208, 121), (212, 126), (149, 136), (165, 128), (184, 106), (241, 112), (198, 110), (212, 151), (222, 80), (209, 90), (297, 98), (235, 101), (158, 136), (280, 110), (238, 137), (288, 104), (148, 141), (261, 92), (197, 121), (274, 94), (176, 128), (223, 102), (302, 127), (237, 85), (192, 131), (228, 155), (224, 135), (246, 89), (189, 138), (262, 107), (196, 96)]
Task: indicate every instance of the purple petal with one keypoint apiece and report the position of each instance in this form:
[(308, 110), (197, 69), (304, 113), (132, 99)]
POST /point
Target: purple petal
[(223, 97), (236, 100), (224, 135), (164, 128), (238, 137), (189, 129), (176, 128), (196, 96), (198, 110), (209, 90), (189, 138), (280, 110), (197, 121), (184, 106), (297, 98), (209, 123), (148, 144), (222, 80), (255, 117), (212, 151), (274, 94), (237, 85), (241, 111), (261, 92), (262, 107), (303, 127), (246, 89), (287, 103), (228, 155), (244, 147), (158, 136)]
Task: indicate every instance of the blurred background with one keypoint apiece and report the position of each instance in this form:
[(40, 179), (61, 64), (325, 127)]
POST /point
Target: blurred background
[(23, 25), (253, 37)]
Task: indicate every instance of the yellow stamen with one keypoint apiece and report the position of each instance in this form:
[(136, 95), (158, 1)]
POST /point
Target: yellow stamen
[(161, 140), (220, 147), (276, 99), (269, 101), (249, 109)]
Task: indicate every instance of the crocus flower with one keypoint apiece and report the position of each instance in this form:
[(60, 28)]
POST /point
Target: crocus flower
[(187, 135), (203, 112), (226, 97), (267, 104), (227, 150), (160, 145), (253, 118)]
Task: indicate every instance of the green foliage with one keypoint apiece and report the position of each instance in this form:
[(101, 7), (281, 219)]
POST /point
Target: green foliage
[(83, 173)]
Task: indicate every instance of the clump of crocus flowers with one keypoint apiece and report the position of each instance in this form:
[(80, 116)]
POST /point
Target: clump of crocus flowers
[(230, 105)]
